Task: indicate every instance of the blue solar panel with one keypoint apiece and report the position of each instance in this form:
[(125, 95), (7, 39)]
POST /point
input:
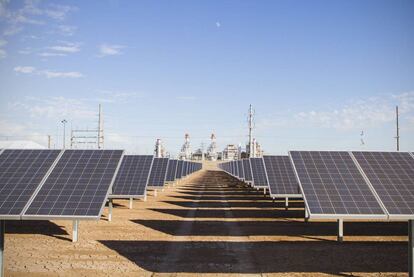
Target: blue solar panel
[(258, 173), (158, 172), (78, 185), (171, 170), (133, 175), (21, 172)]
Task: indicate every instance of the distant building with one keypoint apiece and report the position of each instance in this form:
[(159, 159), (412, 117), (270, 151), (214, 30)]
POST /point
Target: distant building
[(231, 152), (257, 149), (185, 153), (212, 149)]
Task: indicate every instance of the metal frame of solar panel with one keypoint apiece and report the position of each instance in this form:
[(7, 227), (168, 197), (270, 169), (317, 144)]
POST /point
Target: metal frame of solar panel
[(77, 186), (333, 187), (247, 171), (158, 173), (391, 176), (22, 171), (132, 178), (281, 177), (171, 170), (258, 173)]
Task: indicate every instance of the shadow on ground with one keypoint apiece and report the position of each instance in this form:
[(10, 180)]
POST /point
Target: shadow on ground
[(263, 257)]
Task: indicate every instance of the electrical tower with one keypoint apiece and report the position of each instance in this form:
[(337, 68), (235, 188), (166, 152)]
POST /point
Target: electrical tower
[(89, 138), (159, 149), (212, 148), (185, 153), (251, 144)]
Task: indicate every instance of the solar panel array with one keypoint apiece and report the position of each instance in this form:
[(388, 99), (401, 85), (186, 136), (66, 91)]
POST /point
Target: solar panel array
[(258, 173), (333, 186), (391, 175), (78, 185), (21, 172), (281, 176), (171, 170), (47, 184), (133, 175), (158, 172)]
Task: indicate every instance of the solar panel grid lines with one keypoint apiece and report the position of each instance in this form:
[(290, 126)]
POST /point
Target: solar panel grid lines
[(241, 169), (247, 170), (258, 173), (133, 176), (77, 187), (281, 177), (158, 172), (178, 174), (22, 172), (391, 177), (333, 187), (171, 170)]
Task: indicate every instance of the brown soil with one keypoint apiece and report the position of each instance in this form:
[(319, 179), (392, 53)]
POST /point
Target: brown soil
[(208, 224)]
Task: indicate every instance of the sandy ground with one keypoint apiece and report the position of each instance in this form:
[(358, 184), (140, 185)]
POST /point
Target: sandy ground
[(208, 224)]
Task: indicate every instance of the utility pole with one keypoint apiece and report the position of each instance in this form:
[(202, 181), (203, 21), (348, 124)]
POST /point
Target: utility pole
[(251, 154), (64, 121), (100, 129), (398, 129), (48, 141)]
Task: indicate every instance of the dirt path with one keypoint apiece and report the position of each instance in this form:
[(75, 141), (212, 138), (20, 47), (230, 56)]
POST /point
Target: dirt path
[(208, 224)]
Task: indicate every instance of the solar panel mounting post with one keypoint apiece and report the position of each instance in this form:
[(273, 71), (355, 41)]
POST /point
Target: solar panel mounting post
[(2, 231), (110, 210), (130, 202), (411, 248), (75, 230), (287, 203), (264, 191), (340, 230)]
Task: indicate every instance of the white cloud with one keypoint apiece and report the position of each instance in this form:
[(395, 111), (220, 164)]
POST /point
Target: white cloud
[(30, 13), (54, 107), (218, 24), (48, 73), (49, 54), (25, 69), (110, 50), (66, 47), (56, 74), (66, 30)]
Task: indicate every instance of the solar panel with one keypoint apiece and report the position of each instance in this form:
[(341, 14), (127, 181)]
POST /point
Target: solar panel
[(21, 172), (281, 177), (236, 169), (184, 169), (241, 170), (333, 186), (179, 173), (171, 170), (158, 172), (247, 170), (258, 173), (391, 174), (78, 185), (132, 178)]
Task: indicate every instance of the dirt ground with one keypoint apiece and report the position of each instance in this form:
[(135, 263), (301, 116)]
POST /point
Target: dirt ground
[(208, 224)]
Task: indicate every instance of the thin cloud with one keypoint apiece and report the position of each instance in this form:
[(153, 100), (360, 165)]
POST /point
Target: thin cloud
[(66, 47), (218, 24), (49, 54), (3, 52), (66, 30), (47, 73), (110, 50), (25, 69)]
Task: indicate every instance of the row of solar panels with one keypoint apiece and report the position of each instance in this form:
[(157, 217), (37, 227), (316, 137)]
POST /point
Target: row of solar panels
[(337, 184), (75, 184)]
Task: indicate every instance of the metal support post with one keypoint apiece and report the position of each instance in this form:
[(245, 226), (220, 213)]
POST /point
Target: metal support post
[(130, 202), (411, 248), (287, 203), (110, 210), (75, 231), (340, 230)]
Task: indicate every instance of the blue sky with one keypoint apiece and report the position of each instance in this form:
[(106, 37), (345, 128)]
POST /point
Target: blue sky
[(317, 72)]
